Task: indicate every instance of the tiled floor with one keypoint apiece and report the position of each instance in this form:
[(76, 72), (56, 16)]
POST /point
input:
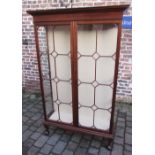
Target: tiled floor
[(35, 142)]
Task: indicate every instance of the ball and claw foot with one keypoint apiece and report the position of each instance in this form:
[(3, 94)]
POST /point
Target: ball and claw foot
[(109, 146), (46, 130)]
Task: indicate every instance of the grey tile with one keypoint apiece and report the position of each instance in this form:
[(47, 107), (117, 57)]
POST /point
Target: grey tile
[(72, 145), (76, 138), (24, 128), (120, 132), (35, 135), (65, 137), (127, 153), (81, 151), (59, 147), (129, 114), (41, 129), (26, 135), (129, 124), (128, 148), (128, 138), (32, 128), (33, 151), (41, 141), (121, 119), (67, 152), (129, 130), (119, 140), (121, 114), (33, 96), (38, 123), (46, 149), (104, 151), (29, 142), (95, 143), (117, 150), (24, 118), (93, 151), (24, 150), (53, 139), (84, 143), (129, 118), (121, 124)]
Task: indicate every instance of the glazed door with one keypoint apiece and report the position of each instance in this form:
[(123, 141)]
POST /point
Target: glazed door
[(77, 73), (96, 49), (55, 60)]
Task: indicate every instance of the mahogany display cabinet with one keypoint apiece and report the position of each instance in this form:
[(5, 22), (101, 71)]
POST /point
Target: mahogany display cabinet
[(78, 58)]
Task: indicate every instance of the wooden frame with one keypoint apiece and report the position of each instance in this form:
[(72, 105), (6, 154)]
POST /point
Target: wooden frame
[(93, 15)]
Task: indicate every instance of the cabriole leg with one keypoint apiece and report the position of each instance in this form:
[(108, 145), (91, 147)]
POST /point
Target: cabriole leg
[(110, 144), (46, 129)]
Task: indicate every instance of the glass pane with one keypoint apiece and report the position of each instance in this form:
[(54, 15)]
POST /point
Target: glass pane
[(107, 66), (60, 68), (54, 45), (106, 39), (86, 64), (86, 40), (96, 64), (45, 70)]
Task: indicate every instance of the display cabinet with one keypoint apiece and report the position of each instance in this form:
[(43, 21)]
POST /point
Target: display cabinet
[(78, 58)]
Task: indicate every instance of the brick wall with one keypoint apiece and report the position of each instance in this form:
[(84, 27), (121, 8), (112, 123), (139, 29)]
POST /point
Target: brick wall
[(29, 64)]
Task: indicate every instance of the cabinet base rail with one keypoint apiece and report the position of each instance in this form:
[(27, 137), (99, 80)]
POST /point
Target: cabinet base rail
[(80, 129)]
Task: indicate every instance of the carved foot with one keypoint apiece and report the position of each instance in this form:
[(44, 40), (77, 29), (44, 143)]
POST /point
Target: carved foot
[(46, 130), (109, 145)]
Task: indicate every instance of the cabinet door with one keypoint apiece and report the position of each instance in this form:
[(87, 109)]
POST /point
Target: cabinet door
[(56, 72), (96, 49)]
